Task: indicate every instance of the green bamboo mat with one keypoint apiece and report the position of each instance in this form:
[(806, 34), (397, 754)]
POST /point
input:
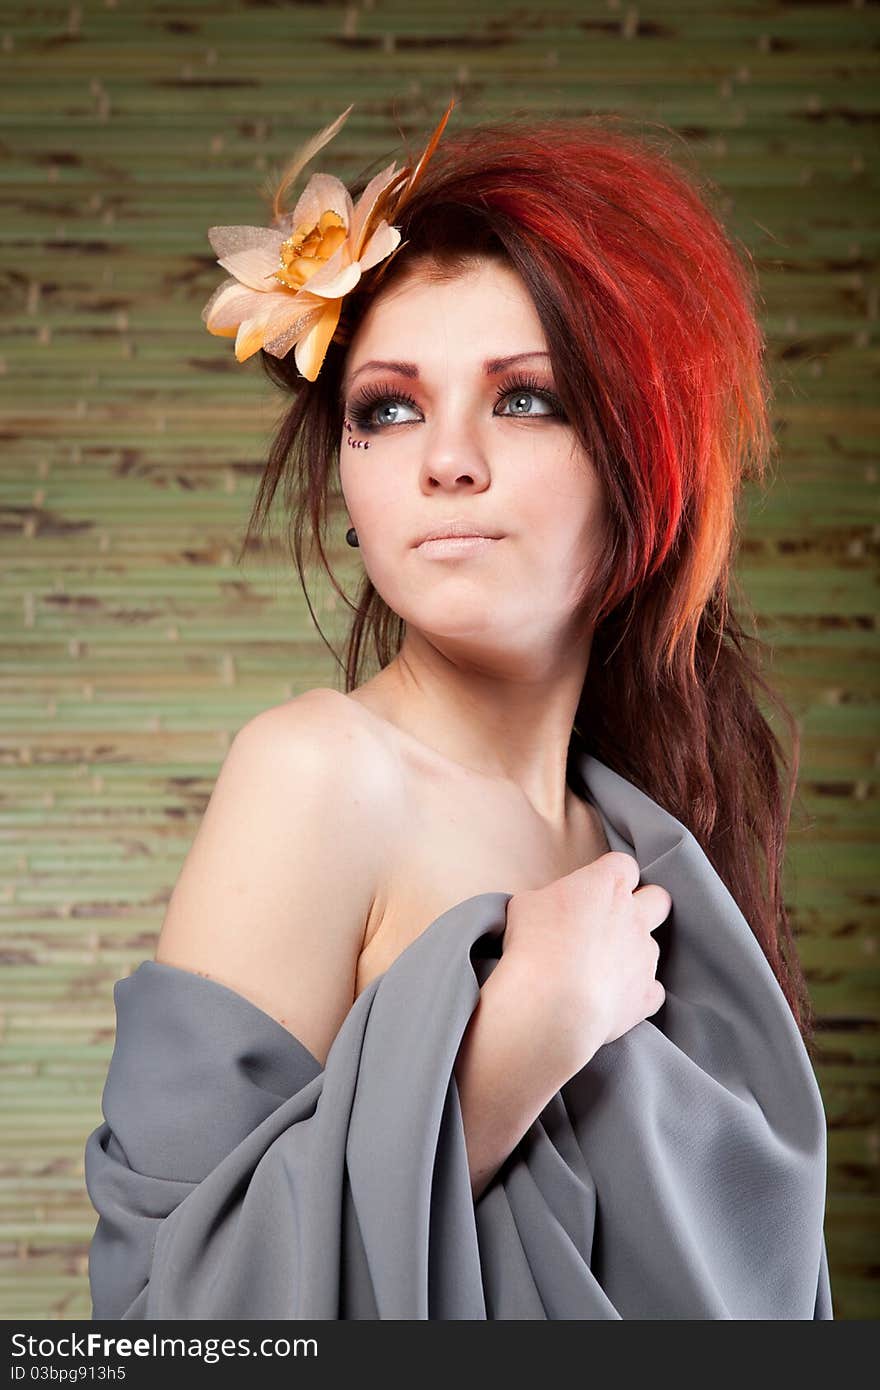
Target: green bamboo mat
[(133, 646)]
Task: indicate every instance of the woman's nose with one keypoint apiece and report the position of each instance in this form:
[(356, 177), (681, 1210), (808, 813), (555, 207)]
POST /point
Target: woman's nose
[(453, 459)]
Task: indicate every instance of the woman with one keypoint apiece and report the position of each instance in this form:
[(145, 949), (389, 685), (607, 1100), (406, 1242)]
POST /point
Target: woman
[(400, 1056)]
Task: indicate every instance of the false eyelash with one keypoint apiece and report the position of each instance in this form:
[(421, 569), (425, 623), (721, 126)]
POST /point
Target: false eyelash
[(365, 402), (378, 393)]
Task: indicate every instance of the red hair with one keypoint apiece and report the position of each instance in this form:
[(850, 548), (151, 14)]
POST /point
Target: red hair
[(649, 310)]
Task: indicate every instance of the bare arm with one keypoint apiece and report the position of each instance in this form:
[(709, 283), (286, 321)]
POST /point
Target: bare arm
[(578, 970), (509, 1066), (274, 893)]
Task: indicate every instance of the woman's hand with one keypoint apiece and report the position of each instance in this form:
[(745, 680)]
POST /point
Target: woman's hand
[(585, 943)]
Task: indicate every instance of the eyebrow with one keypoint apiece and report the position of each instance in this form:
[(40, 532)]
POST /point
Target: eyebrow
[(491, 367)]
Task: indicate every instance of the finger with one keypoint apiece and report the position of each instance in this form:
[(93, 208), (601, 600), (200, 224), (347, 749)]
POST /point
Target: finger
[(655, 904), (623, 867), (658, 994)]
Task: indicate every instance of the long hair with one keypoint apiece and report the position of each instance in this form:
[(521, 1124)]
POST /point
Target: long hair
[(649, 309)]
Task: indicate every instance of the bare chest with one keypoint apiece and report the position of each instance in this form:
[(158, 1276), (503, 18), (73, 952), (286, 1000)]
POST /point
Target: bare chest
[(455, 842)]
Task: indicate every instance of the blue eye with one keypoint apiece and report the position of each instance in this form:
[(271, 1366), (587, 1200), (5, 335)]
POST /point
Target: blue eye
[(519, 396), (367, 404), (367, 408), (378, 413), (528, 387)]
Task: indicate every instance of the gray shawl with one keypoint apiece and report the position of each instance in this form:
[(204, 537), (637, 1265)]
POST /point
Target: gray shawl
[(680, 1174)]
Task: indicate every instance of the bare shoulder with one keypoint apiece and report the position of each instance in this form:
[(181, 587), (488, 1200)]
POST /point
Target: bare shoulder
[(317, 722), (276, 890), (340, 741), (319, 709)]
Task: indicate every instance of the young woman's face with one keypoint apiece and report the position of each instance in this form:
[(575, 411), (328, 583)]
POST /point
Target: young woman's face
[(442, 426)]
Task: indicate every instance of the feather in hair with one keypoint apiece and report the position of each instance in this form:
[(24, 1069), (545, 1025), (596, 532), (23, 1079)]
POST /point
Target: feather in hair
[(397, 194), (275, 190), (426, 155)]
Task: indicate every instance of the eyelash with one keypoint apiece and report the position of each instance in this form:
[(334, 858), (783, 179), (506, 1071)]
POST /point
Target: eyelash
[(365, 402)]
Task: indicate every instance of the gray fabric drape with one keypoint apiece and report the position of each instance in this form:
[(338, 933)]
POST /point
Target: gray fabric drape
[(680, 1174)]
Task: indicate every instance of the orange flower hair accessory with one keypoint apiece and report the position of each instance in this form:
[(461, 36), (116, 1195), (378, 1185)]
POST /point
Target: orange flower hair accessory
[(289, 279)]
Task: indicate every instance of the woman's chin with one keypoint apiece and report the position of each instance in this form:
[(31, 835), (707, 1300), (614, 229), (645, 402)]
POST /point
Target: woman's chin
[(477, 623)]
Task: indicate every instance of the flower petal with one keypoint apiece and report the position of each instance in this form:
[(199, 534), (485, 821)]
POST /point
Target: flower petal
[(291, 311), (384, 240), (249, 338), (322, 193), (216, 300), (256, 266), (281, 334), (364, 207), (226, 240), (335, 278), (249, 253), (292, 317), (311, 348), (232, 302), (219, 332)]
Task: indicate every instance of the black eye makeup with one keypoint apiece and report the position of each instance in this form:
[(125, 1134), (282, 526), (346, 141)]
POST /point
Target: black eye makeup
[(364, 407)]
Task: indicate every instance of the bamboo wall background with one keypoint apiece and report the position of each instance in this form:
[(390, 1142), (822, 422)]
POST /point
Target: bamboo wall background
[(133, 646)]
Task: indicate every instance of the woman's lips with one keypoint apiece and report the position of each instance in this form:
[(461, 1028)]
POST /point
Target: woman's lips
[(451, 547)]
